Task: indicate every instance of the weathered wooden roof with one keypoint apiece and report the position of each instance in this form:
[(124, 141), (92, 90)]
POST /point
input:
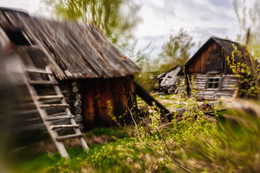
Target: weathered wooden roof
[(74, 50), (172, 69), (170, 77), (227, 45)]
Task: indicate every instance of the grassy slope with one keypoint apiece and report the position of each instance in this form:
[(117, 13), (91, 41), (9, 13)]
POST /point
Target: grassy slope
[(192, 144)]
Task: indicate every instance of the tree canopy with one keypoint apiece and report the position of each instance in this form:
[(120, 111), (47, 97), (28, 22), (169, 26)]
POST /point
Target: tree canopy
[(249, 21), (116, 18), (176, 51)]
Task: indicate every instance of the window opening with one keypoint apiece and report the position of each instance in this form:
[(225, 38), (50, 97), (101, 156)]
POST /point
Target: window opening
[(213, 82), (17, 37)]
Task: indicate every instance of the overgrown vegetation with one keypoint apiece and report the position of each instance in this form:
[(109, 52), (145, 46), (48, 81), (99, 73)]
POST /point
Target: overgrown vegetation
[(194, 142), (175, 51), (249, 71)]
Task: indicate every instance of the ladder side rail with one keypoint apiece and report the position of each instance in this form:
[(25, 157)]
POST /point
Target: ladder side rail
[(44, 115), (68, 112)]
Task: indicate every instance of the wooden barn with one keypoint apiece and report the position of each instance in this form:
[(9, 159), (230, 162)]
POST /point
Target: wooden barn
[(94, 76), (209, 68)]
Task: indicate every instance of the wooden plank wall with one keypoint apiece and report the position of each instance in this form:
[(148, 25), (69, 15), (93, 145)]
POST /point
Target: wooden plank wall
[(103, 98), (92, 102), (227, 88), (212, 58)]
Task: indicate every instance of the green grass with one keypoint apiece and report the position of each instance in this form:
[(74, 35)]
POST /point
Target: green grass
[(228, 143), (113, 156), (111, 132)]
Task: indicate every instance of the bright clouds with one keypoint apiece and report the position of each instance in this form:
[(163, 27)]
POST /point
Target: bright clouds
[(200, 18), (35, 7), (162, 18)]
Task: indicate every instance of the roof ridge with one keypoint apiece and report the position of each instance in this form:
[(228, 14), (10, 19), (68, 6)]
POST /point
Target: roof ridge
[(17, 10), (222, 39)]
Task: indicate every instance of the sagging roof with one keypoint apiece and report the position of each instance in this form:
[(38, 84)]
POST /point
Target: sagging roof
[(172, 69), (74, 50), (171, 77), (227, 45)]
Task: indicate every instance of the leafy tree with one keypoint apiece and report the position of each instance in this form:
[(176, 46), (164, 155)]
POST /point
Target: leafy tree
[(249, 20), (148, 66), (116, 18), (176, 51)]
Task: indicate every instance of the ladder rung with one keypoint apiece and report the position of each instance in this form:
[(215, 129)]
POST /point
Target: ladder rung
[(42, 82), (49, 97), (63, 126), (54, 105), (38, 70), (58, 114), (60, 138), (59, 117)]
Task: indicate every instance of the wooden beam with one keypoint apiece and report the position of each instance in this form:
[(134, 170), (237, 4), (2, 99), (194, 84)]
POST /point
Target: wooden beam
[(149, 99)]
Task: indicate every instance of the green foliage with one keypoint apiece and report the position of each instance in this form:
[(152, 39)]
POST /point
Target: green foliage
[(249, 17), (116, 18), (229, 145), (249, 20), (176, 51), (111, 132), (146, 78), (248, 74), (192, 143)]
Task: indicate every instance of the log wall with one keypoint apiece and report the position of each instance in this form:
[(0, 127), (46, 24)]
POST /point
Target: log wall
[(103, 98), (227, 86)]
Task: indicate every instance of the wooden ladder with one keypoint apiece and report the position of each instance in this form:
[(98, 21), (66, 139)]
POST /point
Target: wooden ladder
[(50, 119)]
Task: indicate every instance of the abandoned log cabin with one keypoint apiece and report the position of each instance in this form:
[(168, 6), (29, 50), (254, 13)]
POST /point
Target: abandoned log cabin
[(95, 77), (212, 75), (169, 81)]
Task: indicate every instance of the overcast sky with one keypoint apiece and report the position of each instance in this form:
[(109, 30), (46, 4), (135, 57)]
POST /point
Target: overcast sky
[(162, 18)]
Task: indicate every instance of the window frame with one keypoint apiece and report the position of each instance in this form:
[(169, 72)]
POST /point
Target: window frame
[(214, 82)]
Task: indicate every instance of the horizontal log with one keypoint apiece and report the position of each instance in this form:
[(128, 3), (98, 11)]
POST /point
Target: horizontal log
[(74, 83), (75, 89), (78, 110), (230, 76), (228, 89), (77, 96), (77, 103)]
